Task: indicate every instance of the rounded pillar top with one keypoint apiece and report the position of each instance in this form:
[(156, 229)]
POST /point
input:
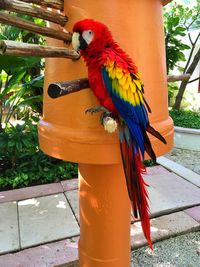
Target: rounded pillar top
[(65, 131)]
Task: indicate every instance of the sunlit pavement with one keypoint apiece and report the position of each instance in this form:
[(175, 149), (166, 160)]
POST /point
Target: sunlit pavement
[(39, 226)]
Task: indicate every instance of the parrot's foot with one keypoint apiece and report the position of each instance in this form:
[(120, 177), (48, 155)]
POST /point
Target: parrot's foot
[(108, 122), (96, 109), (106, 118), (105, 115)]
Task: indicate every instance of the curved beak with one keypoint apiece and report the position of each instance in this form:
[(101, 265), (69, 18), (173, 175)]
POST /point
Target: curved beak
[(78, 42), (75, 41)]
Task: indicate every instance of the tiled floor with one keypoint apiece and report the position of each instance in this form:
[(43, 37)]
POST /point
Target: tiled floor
[(45, 219), (48, 213)]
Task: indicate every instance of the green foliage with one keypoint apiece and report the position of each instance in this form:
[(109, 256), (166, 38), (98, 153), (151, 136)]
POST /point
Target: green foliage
[(15, 97), (185, 118), (23, 164), (8, 32), (20, 91), (172, 90), (21, 88), (175, 18), (178, 21)]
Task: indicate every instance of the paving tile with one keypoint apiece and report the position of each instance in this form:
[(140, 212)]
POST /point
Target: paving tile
[(169, 192), (187, 174), (163, 227), (46, 219), (72, 197), (156, 170), (71, 184), (194, 213), (51, 255), (9, 234), (30, 192)]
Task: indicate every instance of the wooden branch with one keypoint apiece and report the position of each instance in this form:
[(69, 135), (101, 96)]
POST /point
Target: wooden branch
[(174, 78), (28, 9), (57, 4), (32, 27), (24, 49), (59, 89), (194, 80), (165, 2), (191, 53)]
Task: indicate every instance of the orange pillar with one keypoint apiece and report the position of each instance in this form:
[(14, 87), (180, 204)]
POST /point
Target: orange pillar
[(66, 132), (104, 217)]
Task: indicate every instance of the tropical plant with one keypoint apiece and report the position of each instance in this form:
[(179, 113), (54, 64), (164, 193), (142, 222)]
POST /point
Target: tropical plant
[(16, 87), (23, 164), (21, 82), (186, 118), (180, 21)]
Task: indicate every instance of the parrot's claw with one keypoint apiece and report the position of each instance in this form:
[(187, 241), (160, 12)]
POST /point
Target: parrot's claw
[(96, 109)]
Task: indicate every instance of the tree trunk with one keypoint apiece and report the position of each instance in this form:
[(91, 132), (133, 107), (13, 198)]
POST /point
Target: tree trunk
[(183, 85)]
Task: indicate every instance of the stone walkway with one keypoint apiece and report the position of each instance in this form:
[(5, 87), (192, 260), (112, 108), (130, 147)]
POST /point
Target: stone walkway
[(39, 226)]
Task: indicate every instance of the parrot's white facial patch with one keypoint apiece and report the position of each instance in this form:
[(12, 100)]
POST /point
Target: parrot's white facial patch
[(88, 36), (75, 41)]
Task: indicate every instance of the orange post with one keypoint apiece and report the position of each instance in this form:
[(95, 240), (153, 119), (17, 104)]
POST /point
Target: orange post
[(104, 216), (66, 132)]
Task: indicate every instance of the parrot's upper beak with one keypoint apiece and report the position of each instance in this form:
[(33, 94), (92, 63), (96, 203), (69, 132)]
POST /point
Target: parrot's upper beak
[(76, 41)]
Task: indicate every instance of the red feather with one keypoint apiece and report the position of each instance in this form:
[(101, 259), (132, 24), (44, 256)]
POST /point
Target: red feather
[(136, 186)]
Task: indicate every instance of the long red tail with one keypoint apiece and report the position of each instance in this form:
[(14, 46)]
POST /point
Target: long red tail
[(136, 185)]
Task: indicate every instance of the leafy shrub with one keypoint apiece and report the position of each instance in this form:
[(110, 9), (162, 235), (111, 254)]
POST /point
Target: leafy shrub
[(23, 164), (186, 118)]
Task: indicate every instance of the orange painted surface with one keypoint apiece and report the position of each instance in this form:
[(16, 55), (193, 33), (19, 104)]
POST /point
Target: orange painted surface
[(104, 217), (65, 131)]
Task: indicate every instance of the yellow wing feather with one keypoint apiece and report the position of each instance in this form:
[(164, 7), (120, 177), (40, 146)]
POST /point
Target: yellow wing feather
[(129, 88)]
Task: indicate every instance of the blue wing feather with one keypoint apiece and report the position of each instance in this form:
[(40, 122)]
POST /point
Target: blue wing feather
[(134, 116)]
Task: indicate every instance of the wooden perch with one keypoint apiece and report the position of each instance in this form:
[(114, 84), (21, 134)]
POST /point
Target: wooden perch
[(175, 78), (32, 27), (57, 4), (24, 49), (28, 9), (59, 89)]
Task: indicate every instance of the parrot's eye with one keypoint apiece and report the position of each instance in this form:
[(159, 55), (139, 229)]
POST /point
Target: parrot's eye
[(88, 36)]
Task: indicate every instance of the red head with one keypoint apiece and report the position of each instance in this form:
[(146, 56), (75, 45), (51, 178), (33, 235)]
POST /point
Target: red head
[(89, 34)]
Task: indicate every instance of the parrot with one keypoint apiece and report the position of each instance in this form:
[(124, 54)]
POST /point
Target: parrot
[(115, 81)]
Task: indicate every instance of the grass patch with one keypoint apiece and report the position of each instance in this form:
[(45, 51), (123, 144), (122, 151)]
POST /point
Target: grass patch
[(185, 118)]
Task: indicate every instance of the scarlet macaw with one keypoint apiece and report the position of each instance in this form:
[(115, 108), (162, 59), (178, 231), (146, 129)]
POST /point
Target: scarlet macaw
[(115, 81)]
